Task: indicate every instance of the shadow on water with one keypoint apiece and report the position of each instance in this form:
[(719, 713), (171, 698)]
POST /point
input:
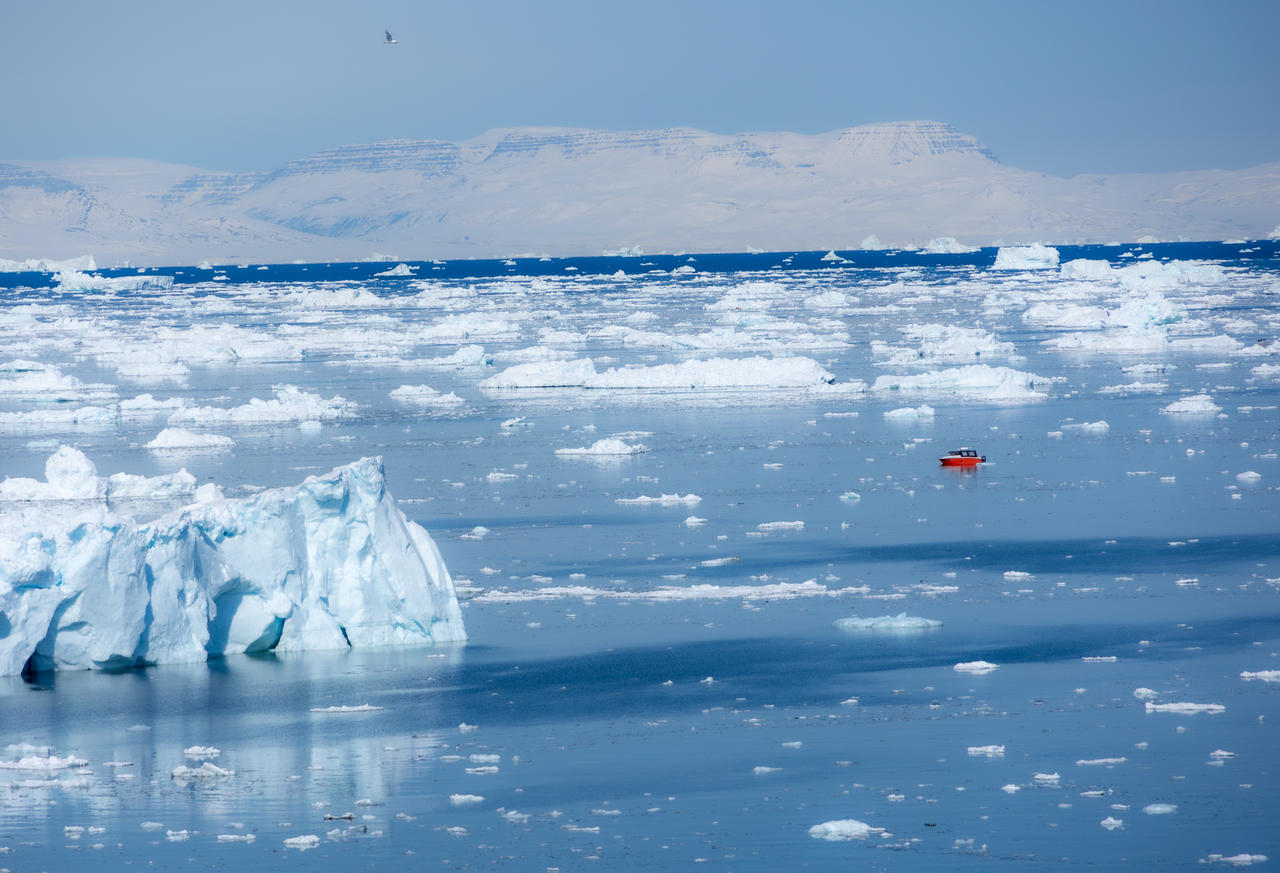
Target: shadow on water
[(1043, 556), (796, 671)]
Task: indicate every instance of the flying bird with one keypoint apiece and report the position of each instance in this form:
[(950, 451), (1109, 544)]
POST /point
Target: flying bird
[(390, 39)]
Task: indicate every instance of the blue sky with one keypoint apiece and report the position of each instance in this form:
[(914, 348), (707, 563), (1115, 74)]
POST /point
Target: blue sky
[(1064, 88)]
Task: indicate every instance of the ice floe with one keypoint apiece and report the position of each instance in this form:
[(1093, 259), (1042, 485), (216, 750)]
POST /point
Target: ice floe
[(899, 622), (1036, 256), (846, 829)]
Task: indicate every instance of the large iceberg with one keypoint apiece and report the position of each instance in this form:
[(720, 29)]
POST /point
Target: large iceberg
[(328, 564)]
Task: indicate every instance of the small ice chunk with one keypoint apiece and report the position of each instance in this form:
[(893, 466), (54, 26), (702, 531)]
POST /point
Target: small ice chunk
[(1196, 404), (1242, 860), (1186, 708), (1112, 823), (201, 753), (769, 526), (302, 843), (177, 439), (986, 751), (465, 799), (899, 622), (662, 500), (845, 829), (910, 413), (604, 448), (205, 772), (975, 667), (1160, 808)]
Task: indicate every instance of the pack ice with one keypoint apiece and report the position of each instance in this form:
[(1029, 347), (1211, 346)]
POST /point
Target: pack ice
[(328, 564)]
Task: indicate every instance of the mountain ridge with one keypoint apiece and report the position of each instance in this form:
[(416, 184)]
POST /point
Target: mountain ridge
[(569, 191)]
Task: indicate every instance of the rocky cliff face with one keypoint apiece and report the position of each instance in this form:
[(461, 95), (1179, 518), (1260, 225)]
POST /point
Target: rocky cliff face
[(570, 191)]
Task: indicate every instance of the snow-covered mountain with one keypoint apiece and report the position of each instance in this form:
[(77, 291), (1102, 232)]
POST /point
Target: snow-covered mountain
[(567, 191)]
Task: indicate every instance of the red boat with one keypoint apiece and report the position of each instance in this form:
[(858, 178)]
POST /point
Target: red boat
[(962, 458)]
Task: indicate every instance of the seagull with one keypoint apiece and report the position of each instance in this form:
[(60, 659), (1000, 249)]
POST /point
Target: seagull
[(390, 40)]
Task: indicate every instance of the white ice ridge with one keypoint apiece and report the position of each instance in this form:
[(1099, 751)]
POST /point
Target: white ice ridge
[(328, 564), (714, 373), (899, 622), (972, 382)]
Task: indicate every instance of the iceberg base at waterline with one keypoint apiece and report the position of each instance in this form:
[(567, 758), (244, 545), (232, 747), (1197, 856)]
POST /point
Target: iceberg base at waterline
[(331, 563)]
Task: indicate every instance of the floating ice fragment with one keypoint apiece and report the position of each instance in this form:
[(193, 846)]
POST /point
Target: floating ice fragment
[(200, 753), (1017, 576), (846, 829), (1100, 762), (1111, 823), (769, 526), (1241, 860), (1089, 427), (1011, 788), (302, 843), (694, 521), (851, 497), (465, 799), (910, 413), (1186, 708), (604, 448), (1248, 476), (986, 751), (899, 622), (975, 667), (977, 382), (1262, 675), (1036, 256), (363, 707), (426, 396), (1196, 404), (176, 439), (662, 500), (205, 772), (1160, 808), (946, 245)]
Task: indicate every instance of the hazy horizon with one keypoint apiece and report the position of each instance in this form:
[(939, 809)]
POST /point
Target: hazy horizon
[(1140, 88)]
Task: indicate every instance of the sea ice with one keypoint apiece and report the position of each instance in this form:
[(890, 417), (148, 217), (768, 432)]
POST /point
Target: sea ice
[(291, 404), (330, 563), (1036, 256), (978, 382), (604, 448), (713, 373), (425, 396), (1262, 675), (177, 439), (845, 829), (1196, 404), (975, 667), (1186, 708), (946, 245), (899, 622), (910, 413)]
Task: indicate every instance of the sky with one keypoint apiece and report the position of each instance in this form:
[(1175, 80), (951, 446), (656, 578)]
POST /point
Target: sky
[(1062, 88)]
